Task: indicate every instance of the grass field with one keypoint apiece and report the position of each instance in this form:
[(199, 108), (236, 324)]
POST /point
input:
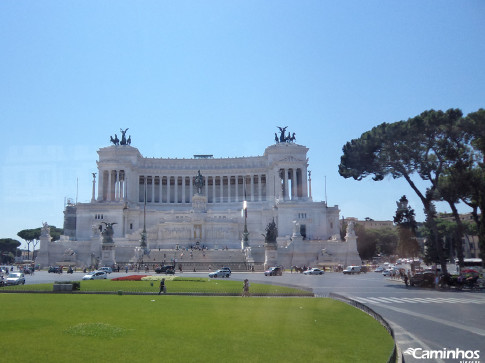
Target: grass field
[(146, 328), (173, 285)]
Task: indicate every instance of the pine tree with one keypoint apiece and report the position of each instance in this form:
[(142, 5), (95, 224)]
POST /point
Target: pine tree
[(406, 225)]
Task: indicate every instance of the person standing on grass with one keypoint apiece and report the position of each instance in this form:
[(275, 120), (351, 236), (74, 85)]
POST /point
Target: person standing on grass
[(162, 287)]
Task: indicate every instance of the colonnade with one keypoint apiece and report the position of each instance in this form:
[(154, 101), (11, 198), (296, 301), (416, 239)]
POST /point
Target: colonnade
[(112, 185), (283, 183), (293, 183), (217, 189)]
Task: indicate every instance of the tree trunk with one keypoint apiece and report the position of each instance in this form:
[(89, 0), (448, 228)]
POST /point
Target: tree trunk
[(429, 211), (481, 230), (458, 233)]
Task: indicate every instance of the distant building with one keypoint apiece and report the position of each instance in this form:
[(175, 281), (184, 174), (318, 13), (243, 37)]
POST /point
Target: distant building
[(369, 223)]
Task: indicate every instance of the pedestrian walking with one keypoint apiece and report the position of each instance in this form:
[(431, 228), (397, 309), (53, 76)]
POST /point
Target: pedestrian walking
[(245, 288)]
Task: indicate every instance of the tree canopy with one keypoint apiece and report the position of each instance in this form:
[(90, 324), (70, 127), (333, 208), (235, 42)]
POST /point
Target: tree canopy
[(32, 236), (428, 146), (373, 241), (8, 249)]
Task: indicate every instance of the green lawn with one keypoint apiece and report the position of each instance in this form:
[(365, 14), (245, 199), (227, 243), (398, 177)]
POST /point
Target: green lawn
[(174, 285), (148, 328)]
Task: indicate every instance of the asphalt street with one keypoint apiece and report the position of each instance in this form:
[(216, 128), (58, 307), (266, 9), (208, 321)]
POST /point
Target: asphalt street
[(429, 319)]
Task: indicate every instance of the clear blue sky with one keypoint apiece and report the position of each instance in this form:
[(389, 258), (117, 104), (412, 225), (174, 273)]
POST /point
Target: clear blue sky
[(217, 77)]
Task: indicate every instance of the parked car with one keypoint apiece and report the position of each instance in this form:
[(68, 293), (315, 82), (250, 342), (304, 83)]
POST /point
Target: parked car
[(107, 269), (54, 269), (15, 278), (350, 270), (423, 279), (220, 273), (379, 269), (314, 271), (96, 275), (168, 269), (274, 271)]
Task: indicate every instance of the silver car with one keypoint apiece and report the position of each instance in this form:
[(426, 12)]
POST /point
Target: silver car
[(314, 271), (220, 273), (96, 275), (15, 278)]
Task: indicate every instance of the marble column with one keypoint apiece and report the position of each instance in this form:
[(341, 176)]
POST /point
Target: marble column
[(206, 188), (294, 184), (304, 184), (94, 187), (176, 199), (168, 188), (286, 194), (213, 189), (109, 185), (100, 185), (116, 185), (125, 186), (228, 188), (153, 190), (221, 187)]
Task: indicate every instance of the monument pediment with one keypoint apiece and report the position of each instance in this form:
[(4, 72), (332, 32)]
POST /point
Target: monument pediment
[(291, 159)]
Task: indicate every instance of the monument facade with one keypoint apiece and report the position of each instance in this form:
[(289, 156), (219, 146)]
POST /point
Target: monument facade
[(199, 201)]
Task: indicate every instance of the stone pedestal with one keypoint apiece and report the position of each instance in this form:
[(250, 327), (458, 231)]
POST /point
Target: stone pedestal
[(108, 254), (249, 255), (352, 255), (42, 258), (199, 203), (245, 239), (270, 255), (62, 287)]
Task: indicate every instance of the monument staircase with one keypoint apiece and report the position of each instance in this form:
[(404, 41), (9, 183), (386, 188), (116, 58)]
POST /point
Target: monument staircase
[(198, 259)]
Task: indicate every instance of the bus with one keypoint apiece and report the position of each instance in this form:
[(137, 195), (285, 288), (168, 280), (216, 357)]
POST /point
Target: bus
[(470, 263)]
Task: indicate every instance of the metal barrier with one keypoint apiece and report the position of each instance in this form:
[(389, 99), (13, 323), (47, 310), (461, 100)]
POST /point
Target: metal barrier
[(395, 356)]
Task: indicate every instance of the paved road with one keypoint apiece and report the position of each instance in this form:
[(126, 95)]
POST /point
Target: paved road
[(421, 318)]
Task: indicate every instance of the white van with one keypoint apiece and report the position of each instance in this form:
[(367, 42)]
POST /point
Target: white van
[(106, 269), (350, 270)]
